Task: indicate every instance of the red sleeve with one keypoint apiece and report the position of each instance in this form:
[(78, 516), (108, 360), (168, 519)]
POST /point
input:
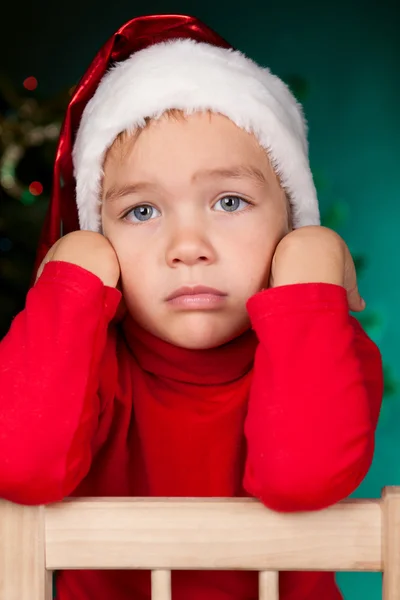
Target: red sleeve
[(49, 371), (315, 398)]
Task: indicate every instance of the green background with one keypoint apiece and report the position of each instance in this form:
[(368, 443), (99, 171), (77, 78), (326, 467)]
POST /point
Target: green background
[(342, 60)]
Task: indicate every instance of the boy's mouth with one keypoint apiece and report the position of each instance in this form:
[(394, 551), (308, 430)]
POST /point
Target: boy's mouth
[(196, 297)]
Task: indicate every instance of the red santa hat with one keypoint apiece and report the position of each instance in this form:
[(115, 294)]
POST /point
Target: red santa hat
[(161, 62)]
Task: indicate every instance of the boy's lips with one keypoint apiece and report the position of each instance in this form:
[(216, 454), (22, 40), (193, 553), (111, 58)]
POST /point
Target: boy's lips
[(196, 297)]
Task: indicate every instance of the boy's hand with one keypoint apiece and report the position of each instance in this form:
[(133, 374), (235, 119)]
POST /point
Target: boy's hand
[(89, 250), (316, 254)]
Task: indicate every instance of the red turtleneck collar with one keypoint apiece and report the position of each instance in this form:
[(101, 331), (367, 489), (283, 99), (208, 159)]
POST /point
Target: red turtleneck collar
[(219, 365)]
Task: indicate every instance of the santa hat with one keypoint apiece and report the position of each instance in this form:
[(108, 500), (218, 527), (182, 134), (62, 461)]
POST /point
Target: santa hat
[(161, 62)]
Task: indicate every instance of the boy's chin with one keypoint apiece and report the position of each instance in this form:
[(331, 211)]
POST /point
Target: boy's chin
[(201, 334)]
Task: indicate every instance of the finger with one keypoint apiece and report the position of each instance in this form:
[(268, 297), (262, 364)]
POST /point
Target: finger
[(356, 302)]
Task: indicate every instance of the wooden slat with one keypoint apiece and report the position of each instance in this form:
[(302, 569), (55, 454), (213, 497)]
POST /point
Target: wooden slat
[(22, 554), (391, 544), (161, 585), (211, 534), (268, 585)]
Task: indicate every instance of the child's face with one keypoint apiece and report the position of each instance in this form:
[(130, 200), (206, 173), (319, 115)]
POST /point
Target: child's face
[(192, 202)]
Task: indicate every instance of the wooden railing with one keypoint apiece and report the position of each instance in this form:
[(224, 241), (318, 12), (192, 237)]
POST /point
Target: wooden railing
[(162, 535)]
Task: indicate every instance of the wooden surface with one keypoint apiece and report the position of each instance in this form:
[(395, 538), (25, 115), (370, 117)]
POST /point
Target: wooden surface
[(22, 554), (211, 534), (161, 585), (391, 544), (268, 585)]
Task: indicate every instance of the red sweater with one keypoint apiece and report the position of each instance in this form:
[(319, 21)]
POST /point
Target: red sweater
[(285, 413)]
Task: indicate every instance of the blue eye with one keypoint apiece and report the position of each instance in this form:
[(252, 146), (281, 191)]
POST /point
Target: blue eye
[(141, 213), (231, 204)]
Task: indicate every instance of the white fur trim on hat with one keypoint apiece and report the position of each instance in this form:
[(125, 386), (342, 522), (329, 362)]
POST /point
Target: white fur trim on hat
[(192, 76)]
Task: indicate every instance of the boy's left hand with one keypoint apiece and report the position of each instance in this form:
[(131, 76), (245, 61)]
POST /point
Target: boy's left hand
[(316, 254)]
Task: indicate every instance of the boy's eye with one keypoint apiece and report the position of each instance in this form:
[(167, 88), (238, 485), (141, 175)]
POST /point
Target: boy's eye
[(143, 212), (231, 204)]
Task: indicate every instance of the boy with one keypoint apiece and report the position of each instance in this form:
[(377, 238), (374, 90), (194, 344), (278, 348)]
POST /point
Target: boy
[(235, 368)]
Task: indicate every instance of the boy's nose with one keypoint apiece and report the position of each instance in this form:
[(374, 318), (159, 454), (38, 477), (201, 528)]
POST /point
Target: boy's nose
[(189, 249)]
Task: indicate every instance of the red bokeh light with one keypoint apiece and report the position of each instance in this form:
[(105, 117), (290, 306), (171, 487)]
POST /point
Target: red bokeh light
[(30, 83), (36, 188)]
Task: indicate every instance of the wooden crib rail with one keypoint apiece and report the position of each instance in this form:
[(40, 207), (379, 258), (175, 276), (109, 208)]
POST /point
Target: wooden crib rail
[(167, 534)]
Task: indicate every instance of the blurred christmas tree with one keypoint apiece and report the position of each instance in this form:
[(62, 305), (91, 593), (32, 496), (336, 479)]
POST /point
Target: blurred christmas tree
[(29, 128)]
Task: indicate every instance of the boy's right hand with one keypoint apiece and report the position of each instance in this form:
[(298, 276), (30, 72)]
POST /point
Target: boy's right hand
[(89, 250)]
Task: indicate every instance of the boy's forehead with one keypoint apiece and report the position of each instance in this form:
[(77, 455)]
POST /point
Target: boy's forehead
[(197, 148)]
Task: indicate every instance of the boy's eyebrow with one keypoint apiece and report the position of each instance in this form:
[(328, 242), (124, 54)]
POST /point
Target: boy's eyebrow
[(235, 172), (116, 192)]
